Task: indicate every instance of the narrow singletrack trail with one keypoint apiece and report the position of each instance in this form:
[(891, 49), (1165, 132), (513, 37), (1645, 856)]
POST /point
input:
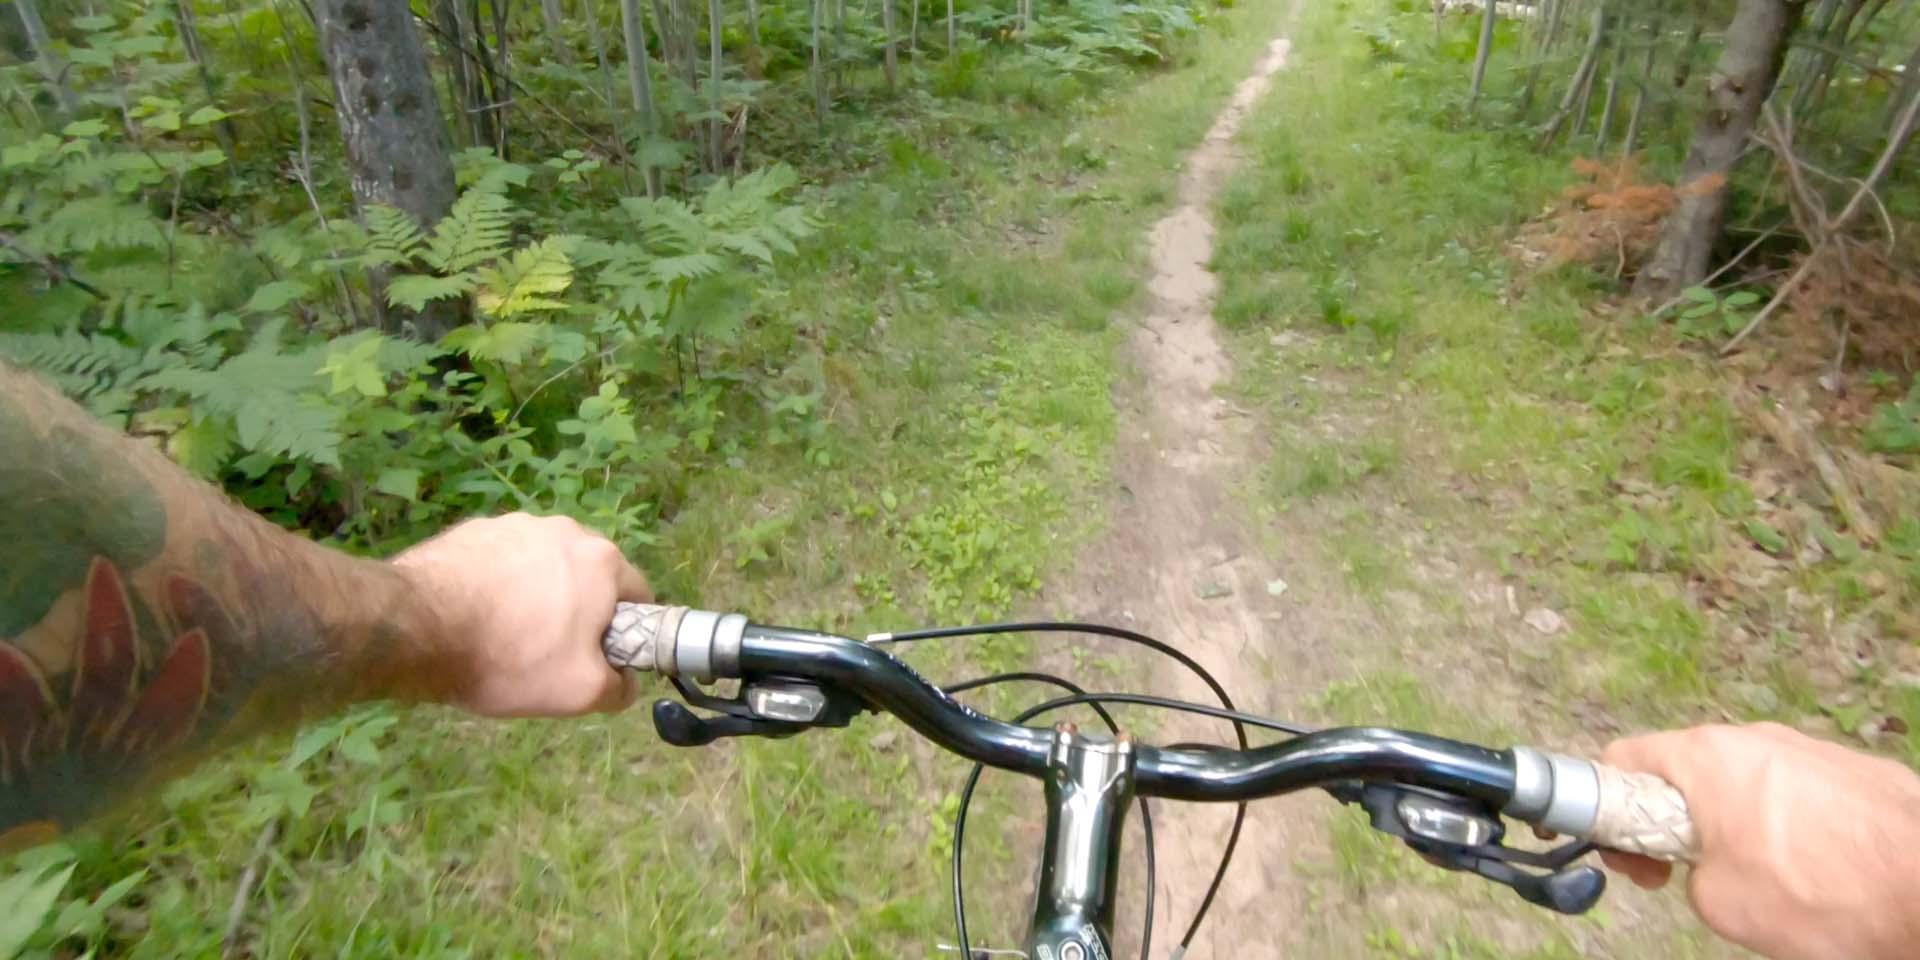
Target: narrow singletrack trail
[(1180, 560)]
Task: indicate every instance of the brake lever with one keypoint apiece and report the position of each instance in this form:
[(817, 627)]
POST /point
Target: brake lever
[(682, 727), (1457, 834), (765, 708)]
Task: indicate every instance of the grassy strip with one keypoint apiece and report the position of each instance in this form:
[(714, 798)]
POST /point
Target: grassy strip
[(960, 308)]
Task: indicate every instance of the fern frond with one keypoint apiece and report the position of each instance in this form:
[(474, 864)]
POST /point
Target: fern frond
[(392, 237), (271, 398), (474, 231), (507, 342), (691, 266), (525, 282), (414, 290), (95, 369), (94, 223)]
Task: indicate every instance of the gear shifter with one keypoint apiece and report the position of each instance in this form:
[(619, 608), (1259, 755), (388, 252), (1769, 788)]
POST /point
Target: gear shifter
[(1461, 835)]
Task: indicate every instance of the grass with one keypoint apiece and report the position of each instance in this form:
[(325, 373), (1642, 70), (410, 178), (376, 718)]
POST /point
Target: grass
[(1589, 454), (960, 306)]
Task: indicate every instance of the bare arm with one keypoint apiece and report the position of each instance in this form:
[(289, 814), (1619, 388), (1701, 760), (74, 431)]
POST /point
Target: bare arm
[(145, 620)]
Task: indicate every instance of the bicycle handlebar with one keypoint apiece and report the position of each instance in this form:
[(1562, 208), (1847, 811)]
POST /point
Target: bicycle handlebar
[(1632, 812)]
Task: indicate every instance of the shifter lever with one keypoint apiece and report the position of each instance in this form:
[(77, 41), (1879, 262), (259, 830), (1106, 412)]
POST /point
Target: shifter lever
[(1457, 834)]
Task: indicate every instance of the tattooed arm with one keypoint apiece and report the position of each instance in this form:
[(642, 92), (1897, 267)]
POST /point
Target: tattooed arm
[(145, 620)]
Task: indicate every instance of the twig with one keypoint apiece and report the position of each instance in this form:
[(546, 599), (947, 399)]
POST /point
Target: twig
[(53, 268), (237, 911), (1895, 142)]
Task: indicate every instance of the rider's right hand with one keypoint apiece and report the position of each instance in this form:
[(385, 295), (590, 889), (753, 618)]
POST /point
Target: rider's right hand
[(1807, 849)]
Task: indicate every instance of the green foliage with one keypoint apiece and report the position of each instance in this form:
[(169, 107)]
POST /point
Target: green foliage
[(1895, 427)]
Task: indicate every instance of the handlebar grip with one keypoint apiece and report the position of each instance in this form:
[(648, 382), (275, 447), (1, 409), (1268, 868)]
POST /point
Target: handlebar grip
[(635, 638), (1641, 813), (1629, 812)]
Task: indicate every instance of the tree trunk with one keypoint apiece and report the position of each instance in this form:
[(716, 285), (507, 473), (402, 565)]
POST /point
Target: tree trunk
[(1807, 100), (1755, 47), (51, 66), (1682, 71), (396, 144), (1546, 29), (1481, 55), (500, 68), (183, 20), (1909, 87), (554, 19), (453, 45), (1583, 108), (640, 86), (819, 69), (950, 31), (1612, 106), (1646, 83), (913, 32), (1582, 77), (753, 22), (890, 59), (715, 21)]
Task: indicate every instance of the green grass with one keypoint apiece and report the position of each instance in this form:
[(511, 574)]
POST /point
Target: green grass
[(958, 312), (1608, 469)]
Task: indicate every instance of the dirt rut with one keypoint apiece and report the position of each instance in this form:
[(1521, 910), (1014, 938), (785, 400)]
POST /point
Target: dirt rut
[(1181, 562)]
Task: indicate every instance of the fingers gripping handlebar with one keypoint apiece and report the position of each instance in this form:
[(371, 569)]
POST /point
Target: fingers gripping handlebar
[(1631, 812)]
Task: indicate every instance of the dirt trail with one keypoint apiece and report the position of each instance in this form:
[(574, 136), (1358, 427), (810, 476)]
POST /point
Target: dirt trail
[(1181, 563)]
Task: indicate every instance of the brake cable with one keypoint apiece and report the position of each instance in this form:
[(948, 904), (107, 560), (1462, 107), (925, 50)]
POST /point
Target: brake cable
[(1118, 633), (973, 780)]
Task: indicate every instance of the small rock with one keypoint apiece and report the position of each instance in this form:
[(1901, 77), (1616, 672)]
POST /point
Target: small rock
[(1213, 590), (1894, 725), (1276, 587), (1545, 621), (884, 740)]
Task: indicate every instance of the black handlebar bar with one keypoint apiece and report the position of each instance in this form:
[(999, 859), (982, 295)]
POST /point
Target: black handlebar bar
[(1315, 759)]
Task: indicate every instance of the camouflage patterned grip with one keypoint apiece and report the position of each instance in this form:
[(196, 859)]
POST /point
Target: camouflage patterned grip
[(641, 636), (1641, 813)]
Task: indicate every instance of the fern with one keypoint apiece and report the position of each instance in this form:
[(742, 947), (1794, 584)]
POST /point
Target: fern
[(93, 368), (392, 237), (500, 342), (415, 290), (474, 231), (525, 282), (87, 224), (270, 397)]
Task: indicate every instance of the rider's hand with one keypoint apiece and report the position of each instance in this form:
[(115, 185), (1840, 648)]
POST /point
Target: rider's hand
[(522, 602), (1807, 849)]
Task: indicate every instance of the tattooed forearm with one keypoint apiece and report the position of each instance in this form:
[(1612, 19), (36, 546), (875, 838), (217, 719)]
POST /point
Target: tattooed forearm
[(144, 619)]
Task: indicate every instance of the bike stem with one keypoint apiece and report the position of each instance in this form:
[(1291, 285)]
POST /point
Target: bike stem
[(1089, 784)]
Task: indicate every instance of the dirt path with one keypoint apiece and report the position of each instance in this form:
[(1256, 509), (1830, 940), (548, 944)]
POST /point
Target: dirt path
[(1262, 602), (1181, 562)]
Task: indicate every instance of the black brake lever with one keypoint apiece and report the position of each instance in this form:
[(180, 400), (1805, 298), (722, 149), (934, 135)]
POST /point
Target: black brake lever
[(789, 707), (682, 727), (1458, 834)]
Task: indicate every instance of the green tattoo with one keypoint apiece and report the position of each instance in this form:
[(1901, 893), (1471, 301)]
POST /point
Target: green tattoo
[(64, 507), (143, 619)]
